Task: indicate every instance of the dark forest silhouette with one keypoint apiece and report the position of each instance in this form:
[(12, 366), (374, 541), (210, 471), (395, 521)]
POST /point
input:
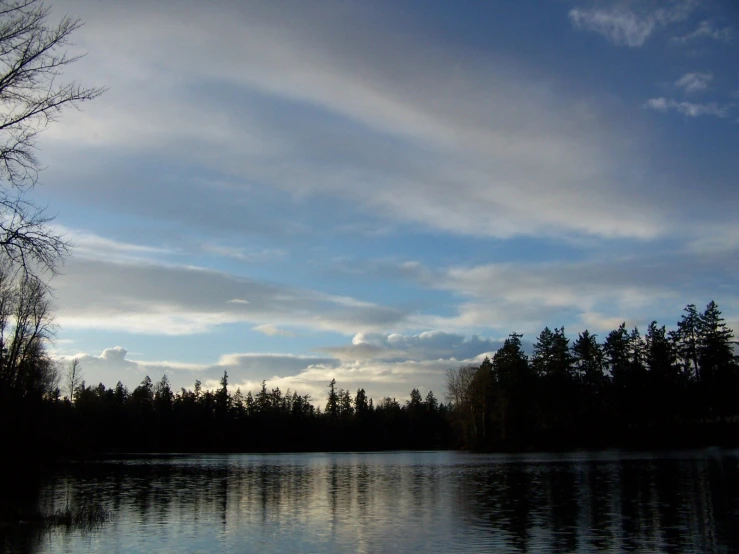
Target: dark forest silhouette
[(660, 389)]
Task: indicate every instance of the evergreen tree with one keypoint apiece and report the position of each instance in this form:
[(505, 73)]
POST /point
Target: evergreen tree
[(361, 405), (120, 394), (588, 359), (222, 397), (163, 396), (718, 367), (332, 402), (143, 395), (415, 402), (346, 408), (431, 403), (686, 340), (514, 392), (616, 351), (239, 408), (664, 377)]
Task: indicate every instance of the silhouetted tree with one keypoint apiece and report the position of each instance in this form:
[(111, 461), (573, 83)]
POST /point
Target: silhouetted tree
[(73, 377), (665, 381), (222, 398), (587, 355), (332, 401), (686, 339), (120, 393), (163, 396), (515, 383), (361, 405), (32, 57), (143, 396), (239, 408), (553, 363), (25, 329), (431, 403), (718, 368)]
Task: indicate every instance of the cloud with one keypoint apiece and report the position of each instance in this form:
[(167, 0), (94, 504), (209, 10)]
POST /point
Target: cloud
[(525, 297), (258, 256), (181, 300), (302, 374), (466, 153), (272, 330), (623, 26), (93, 246), (694, 82), (706, 30), (108, 368), (690, 109), (428, 345)]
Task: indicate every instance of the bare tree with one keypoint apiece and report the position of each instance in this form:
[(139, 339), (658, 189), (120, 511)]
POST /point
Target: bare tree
[(73, 377), (458, 384), (32, 56), (25, 329)]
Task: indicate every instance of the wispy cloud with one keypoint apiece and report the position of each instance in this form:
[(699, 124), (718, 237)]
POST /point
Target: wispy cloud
[(625, 26), (694, 82), (244, 255), (465, 155), (90, 245), (706, 30), (690, 109), (272, 330), (182, 300)]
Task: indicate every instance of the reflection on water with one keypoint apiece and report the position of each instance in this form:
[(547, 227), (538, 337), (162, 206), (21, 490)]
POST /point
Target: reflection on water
[(445, 501)]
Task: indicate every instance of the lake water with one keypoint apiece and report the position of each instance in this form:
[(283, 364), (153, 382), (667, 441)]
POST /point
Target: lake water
[(401, 502)]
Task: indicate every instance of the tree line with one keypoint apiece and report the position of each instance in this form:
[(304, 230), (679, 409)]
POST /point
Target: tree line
[(155, 418), (662, 388)]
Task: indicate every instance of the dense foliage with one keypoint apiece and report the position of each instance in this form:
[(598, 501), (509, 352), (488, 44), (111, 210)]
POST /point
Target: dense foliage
[(658, 389)]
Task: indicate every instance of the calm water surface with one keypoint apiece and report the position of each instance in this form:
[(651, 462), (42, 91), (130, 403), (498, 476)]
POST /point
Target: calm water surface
[(403, 502)]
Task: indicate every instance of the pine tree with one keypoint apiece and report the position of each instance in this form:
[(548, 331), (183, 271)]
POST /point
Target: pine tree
[(686, 340), (718, 366), (588, 359), (332, 402)]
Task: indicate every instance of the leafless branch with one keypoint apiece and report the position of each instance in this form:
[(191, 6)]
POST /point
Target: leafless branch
[(33, 54)]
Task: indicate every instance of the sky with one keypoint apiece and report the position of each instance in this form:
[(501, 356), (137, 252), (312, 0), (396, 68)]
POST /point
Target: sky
[(376, 191)]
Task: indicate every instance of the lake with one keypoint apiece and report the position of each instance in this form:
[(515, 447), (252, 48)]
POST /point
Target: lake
[(398, 502)]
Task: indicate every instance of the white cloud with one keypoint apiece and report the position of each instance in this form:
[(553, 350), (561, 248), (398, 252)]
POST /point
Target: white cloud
[(694, 82), (690, 109), (621, 27), (428, 345), (303, 374), (87, 244), (525, 297), (660, 104), (272, 330), (706, 30), (628, 27), (108, 368)]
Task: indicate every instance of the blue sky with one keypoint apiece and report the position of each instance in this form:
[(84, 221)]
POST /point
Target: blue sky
[(378, 191)]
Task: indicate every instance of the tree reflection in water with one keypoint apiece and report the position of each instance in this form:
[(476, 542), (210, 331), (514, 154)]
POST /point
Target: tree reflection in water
[(399, 501)]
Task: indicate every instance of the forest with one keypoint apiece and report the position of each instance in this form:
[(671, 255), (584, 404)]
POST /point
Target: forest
[(664, 388)]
